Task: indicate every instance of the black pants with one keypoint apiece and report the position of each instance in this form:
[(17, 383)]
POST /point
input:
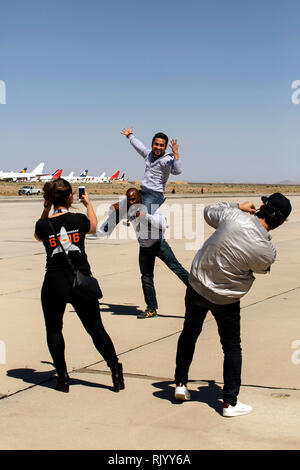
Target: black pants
[(56, 293), (228, 321)]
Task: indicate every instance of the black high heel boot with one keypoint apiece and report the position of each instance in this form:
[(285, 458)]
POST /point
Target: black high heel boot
[(117, 377), (63, 381)]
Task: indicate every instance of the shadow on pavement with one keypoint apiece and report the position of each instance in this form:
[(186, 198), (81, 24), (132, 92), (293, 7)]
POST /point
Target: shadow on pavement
[(44, 379), (116, 309), (209, 394), (134, 310)]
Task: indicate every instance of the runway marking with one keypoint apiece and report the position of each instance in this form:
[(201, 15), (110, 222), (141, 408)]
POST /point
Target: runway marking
[(145, 377), (83, 370), (20, 291), (9, 258), (271, 297), (19, 241)]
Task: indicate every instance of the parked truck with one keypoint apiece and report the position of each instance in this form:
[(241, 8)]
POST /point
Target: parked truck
[(29, 190)]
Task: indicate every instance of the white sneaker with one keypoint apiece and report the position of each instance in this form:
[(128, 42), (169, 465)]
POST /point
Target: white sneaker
[(182, 393), (237, 410)]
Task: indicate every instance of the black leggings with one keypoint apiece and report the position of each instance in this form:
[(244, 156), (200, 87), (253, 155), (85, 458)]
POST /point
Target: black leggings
[(56, 293)]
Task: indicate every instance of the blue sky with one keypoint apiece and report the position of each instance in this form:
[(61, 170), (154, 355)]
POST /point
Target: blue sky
[(215, 75)]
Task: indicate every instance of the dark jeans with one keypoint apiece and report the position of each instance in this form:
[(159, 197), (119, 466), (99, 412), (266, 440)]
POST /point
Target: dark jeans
[(147, 256), (56, 293), (228, 321), (152, 200)]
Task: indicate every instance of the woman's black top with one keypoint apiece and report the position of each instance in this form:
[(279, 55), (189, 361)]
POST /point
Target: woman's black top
[(71, 229)]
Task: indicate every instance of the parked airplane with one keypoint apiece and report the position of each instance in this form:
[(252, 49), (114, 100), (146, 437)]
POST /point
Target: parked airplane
[(115, 177), (105, 179), (56, 174), (12, 176), (85, 178), (82, 178), (98, 179)]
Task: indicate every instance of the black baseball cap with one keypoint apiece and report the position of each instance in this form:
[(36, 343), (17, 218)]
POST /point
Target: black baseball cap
[(278, 203)]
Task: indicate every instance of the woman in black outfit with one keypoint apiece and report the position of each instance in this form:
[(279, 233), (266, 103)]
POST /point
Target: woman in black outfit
[(71, 228)]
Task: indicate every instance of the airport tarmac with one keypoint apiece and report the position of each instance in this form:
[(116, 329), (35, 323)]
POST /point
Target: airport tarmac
[(145, 415)]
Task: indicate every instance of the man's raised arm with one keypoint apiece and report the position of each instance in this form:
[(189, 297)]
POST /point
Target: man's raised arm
[(136, 143), (176, 167), (214, 212)]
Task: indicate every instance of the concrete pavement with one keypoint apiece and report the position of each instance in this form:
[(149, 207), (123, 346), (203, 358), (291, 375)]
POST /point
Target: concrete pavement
[(144, 415)]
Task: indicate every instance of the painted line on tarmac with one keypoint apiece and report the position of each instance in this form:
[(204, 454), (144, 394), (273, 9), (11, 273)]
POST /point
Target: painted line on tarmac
[(20, 291), (270, 297), (84, 370), (20, 241), (88, 367)]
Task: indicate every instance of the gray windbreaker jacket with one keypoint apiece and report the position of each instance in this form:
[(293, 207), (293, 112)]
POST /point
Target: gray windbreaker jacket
[(222, 270)]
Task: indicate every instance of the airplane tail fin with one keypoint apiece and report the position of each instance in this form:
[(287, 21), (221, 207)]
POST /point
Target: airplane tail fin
[(38, 170), (56, 174), (23, 170), (84, 173), (115, 176)]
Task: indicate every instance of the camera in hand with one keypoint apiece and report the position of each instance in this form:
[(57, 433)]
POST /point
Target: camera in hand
[(81, 191)]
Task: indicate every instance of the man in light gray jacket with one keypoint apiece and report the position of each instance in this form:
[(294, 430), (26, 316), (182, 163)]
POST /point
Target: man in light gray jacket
[(160, 163), (222, 273)]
